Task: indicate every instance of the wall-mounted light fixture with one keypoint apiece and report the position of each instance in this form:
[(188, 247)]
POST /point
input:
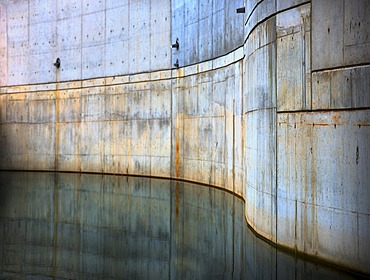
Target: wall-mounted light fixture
[(57, 63), (176, 45), (177, 64), (240, 10)]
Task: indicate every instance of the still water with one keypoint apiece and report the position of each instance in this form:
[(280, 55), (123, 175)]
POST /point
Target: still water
[(83, 226)]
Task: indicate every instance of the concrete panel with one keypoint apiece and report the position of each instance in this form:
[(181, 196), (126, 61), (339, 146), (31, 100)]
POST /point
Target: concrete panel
[(116, 59), (178, 30), (356, 32), (69, 8), (92, 64), (40, 11), (341, 88), (285, 4), (69, 105), (110, 4), (265, 9), (90, 146), (327, 33), (293, 59), (160, 48), (139, 44), (41, 149), (260, 168), (342, 226), (160, 99), (91, 6), (257, 12), (43, 37), (18, 63), (70, 67), (287, 215), (3, 105), (139, 101), (3, 46), (93, 29), (260, 80), (69, 147), (17, 110), (234, 31), (42, 108), (332, 178), (160, 144), (161, 30), (117, 24), (41, 69), (69, 33), (363, 234), (191, 43), (319, 172), (92, 104), (205, 45)]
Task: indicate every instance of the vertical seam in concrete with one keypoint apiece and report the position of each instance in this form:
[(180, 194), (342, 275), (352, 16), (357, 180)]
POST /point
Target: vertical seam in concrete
[(56, 136), (310, 58), (276, 152), (343, 23), (304, 65), (103, 127), (129, 35), (150, 87), (28, 36), (171, 149), (7, 46), (56, 218), (82, 38), (234, 197)]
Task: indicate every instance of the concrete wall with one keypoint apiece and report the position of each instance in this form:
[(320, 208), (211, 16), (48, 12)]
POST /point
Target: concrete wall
[(275, 109), (307, 118), (92, 39)]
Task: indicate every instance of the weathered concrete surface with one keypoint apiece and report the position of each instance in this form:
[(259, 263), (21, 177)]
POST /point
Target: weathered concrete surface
[(205, 29), (327, 214), (281, 118), (132, 124), (320, 164), (259, 107), (340, 33), (92, 39)]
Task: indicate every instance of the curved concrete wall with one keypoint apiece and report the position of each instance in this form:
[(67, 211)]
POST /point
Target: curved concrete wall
[(276, 110), (307, 115), (92, 39)]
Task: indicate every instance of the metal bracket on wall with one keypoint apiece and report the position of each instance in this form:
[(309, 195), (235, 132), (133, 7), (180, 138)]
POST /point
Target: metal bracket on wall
[(176, 45), (57, 63), (177, 64), (240, 10)]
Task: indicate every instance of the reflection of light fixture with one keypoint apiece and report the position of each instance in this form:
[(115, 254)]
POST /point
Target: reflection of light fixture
[(240, 10), (176, 45), (57, 63), (177, 64)]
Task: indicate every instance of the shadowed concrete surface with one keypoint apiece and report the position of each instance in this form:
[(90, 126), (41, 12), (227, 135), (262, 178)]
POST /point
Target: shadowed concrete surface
[(273, 105), (73, 226)]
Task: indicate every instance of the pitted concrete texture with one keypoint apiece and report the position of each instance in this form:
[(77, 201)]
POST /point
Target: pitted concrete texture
[(272, 104)]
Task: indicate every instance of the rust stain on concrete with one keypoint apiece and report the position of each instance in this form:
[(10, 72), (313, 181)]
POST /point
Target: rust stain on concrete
[(177, 195)]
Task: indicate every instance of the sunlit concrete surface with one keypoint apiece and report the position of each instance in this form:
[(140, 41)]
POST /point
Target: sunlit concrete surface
[(272, 104)]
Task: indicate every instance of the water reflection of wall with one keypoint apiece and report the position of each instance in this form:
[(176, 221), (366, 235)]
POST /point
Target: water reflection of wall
[(79, 225), (71, 225)]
